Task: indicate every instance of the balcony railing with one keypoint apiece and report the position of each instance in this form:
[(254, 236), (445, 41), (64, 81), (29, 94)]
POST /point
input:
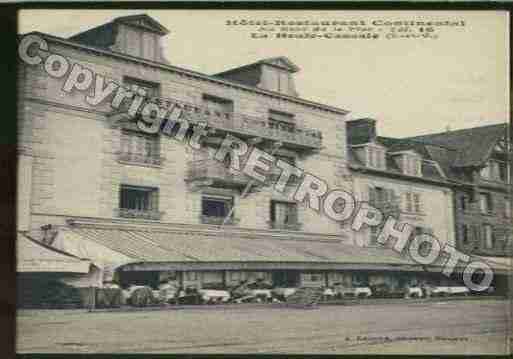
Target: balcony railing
[(140, 214), (218, 220), (247, 125), (216, 173), (387, 207), (137, 158), (286, 226)]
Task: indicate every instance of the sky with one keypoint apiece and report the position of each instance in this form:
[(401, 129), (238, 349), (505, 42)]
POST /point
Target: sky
[(410, 86)]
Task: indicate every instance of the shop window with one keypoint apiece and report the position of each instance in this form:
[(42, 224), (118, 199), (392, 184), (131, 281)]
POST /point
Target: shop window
[(360, 280)]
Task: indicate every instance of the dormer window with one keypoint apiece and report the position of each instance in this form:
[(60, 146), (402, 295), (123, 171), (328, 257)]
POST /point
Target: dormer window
[(410, 163), (375, 157), (495, 171)]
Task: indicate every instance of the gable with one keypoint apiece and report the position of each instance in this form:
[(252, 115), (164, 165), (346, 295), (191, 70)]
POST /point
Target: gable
[(143, 21), (282, 62), (501, 145)]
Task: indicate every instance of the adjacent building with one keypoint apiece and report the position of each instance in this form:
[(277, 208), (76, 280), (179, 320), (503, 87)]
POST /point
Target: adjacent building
[(476, 159)]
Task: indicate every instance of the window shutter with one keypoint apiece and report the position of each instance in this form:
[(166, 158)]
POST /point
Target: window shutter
[(408, 202), (372, 196), (416, 200)]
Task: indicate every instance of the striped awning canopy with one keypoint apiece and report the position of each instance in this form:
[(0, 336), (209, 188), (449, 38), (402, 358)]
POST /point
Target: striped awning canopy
[(34, 256)]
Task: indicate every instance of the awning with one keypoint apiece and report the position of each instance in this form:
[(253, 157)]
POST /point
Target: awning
[(158, 248), (34, 256)]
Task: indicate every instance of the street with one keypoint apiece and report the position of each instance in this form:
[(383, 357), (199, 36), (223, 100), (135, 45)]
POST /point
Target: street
[(457, 327)]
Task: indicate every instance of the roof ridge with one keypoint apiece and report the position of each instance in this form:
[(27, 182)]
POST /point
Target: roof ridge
[(204, 76), (461, 130)]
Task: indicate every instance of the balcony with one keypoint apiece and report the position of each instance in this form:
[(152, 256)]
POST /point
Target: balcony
[(139, 214), (213, 173), (138, 159), (286, 226), (245, 126), (218, 220), (389, 208)]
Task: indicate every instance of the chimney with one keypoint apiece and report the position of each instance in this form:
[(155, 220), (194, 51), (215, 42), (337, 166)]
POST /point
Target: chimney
[(362, 130)]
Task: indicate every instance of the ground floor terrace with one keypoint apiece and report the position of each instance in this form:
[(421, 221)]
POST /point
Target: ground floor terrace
[(445, 327), (178, 261)]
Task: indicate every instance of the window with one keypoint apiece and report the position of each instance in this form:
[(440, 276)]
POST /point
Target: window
[(284, 215), (477, 235), (464, 234), (488, 236), (416, 202), (138, 147), (138, 202), (381, 198), (289, 159), (485, 203), (502, 171), (463, 203), (507, 207), (281, 121), (376, 157), (495, 170), (374, 233), (214, 209), (411, 164), (218, 105), (360, 280), (151, 88), (413, 203), (486, 171)]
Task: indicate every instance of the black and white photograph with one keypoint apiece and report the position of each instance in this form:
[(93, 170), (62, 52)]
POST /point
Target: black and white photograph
[(259, 181)]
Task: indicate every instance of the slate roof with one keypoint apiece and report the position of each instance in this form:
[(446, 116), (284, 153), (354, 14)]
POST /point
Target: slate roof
[(472, 145), (429, 170), (280, 61)]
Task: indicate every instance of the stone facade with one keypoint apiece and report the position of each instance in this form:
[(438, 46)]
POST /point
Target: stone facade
[(75, 168)]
